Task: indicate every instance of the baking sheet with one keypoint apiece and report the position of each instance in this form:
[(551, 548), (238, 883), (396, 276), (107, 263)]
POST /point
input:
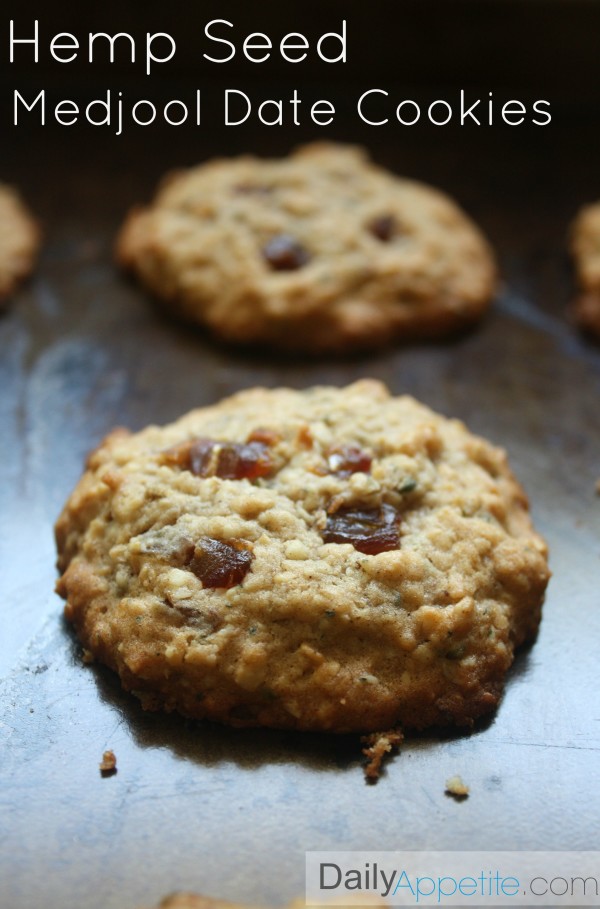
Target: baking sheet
[(227, 812)]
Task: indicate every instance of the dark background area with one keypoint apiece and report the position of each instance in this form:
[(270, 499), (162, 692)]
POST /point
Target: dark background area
[(222, 811), (418, 49), (547, 45)]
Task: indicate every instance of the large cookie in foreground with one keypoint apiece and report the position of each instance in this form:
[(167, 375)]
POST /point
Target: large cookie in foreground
[(319, 251), (330, 559), (19, 241), (585, 248)]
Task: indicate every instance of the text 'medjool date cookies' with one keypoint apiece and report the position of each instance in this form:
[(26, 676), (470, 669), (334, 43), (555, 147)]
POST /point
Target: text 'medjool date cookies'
[(319, 251), (330, 559), (585, 247), (19, 241)]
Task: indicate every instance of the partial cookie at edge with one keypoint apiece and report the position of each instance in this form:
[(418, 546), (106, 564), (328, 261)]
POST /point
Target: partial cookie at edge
[(19, 242), (585, 249)]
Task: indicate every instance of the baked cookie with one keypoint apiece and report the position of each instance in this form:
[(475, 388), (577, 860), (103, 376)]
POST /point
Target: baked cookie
[(585, 247), (329, 559), (319, 251), (196, 901), (19, 241)]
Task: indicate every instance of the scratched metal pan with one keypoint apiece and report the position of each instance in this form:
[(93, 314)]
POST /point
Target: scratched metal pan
[(228, 812)]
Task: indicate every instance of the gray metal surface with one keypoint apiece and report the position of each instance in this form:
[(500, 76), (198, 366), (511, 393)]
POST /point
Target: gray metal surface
[(231, 812)]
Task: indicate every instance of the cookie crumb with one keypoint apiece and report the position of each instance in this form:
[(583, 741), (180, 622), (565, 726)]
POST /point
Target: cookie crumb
[(87, 656), (108, 764), (456, 788), (378, 746)]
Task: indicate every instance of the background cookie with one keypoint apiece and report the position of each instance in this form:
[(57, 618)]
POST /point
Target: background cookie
[(19, 241), (585, 246), (333, 559), (320, 251)]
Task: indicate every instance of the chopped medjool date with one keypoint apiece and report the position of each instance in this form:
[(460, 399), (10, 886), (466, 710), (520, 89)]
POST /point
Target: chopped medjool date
[(220, 564), (348, 459), (305, 436), (228, 460), (370, 530), (383, 227), (266, 436), (238, 462), (284, 253), (193, 455), (200, 457), (177, 455)]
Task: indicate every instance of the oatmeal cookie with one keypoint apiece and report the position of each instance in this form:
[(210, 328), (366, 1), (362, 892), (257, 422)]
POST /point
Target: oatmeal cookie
[(196, 901), (585, 247), (319, 251), (328, 559), (19, 240)]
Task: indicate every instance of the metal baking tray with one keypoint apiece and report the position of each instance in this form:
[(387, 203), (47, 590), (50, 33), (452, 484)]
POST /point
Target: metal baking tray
[(228, 812)]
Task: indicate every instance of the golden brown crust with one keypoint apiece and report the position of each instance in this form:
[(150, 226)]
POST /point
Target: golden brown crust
[(314, 633), (19, 241), (201, 248), (585, 248)]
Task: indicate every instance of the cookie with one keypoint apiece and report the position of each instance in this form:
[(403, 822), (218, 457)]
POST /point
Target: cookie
[(196, 901), (585, 247), (328, 559), (19, 241), (319, 251)]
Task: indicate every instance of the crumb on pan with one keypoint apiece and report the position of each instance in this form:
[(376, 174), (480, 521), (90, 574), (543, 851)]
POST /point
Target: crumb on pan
[(87, 656), (456, 788), (108, 764), (378, 746)]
